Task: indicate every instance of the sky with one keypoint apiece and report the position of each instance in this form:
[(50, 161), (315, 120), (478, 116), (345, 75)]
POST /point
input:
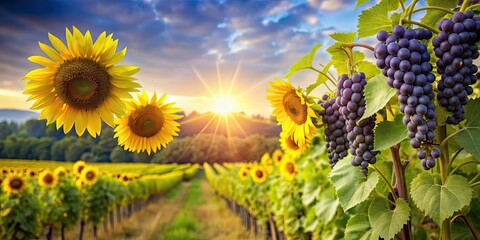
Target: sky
[(189, 49)]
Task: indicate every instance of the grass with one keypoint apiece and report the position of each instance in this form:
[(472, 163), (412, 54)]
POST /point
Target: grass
[(185, 225)]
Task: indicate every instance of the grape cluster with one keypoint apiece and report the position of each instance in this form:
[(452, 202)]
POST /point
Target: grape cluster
[(404, 60), (351, 101), (335, 130), (456, 48)]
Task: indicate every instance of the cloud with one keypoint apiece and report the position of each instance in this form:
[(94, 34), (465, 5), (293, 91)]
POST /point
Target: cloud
[(166, 38)]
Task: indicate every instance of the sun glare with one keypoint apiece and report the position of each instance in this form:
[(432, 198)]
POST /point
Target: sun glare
[(223, 104)]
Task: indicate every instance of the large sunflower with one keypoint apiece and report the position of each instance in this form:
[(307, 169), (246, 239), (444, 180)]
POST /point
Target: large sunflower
[(79, 83), (148, 125), (14, 184), (292, 110), (78, 167), (288, 168), (47, 179), (290, 147), (89, 175), (258, 173)]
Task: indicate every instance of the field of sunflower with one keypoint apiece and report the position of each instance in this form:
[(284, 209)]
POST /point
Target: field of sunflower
[(48, 196)]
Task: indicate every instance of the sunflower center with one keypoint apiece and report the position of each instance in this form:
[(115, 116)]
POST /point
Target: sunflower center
[(146, 121), (80, 168), (291, 144), (290, 168), (259, 173), (32, 174), (82, 83), (294, 107), (90, 175), (16, 184), (48, 179)]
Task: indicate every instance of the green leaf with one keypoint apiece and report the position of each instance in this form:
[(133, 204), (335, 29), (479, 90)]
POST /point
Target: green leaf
[(311, 191), (377, 94), (368, 68), (326, 207), (358, 227), (389, 133), (304, 62), (432, 17), (352, 187), (344, 37), (339, 58), (361, 2), (440, 201), (469, 135), (375, 18), (321, 78), (388, 222)]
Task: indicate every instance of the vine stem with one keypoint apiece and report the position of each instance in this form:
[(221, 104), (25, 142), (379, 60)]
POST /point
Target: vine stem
[(324, 74), (463, 164), (454, 157), (474, 5), (475, 178), (351, 45), (433, 8), (410, 8), (445, 233), (475, 184), (468, 223), (421, 25), (401, 186), (386, 181), (464, 5)]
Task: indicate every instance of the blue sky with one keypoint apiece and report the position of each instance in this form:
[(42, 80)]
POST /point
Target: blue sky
[(172, 40)]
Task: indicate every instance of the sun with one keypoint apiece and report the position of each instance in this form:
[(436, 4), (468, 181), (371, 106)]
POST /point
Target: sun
[(223, 104)]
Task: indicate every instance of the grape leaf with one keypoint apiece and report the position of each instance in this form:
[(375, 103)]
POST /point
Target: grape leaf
[(432, 17), (339, 57), (389, 133), (344, 37), (361, 2), (304, 62), (388, 222), (326, 207), (352, 187), (440, 201), (376, 18), (321, 78), (358, 227), (377, 94), (469, 135), (368, 68)]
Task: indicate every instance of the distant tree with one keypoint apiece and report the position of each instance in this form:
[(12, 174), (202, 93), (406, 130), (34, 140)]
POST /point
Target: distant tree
[(75, 150), (34, 128), (120, 155), (105, 145), (87, 157), (53, 132), (142, 157), (60, 147), (42, 149)]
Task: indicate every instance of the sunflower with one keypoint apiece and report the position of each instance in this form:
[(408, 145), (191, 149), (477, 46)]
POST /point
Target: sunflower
[(79, 83), (290, 147), (266, 161), (31, 173), (288, 168), (60, 171), (243, 172), (89, 175), (79, 183), (258, 174), (277, 156), (78, 167), (292, 110), (5, 171), (47, 178), (148, 125), (14, 184)]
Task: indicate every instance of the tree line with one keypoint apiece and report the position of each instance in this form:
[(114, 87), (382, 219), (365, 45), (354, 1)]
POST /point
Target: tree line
[(34, 140)]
